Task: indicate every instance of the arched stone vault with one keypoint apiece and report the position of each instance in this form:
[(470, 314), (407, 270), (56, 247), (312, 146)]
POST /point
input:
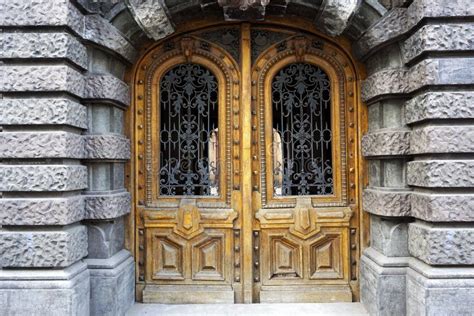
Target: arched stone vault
[(63, 146)]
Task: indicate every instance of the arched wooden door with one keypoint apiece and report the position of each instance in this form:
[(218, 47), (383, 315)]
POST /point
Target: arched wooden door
[(246, 168)]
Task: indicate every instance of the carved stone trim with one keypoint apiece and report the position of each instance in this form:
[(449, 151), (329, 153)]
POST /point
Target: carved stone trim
[(335, 15), (152, 17)]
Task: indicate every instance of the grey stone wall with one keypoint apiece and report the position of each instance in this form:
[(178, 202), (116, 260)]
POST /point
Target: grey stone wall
[(419, 149), (63, 152)]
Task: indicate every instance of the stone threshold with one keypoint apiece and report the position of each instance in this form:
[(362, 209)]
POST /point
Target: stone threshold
[(316, 309)]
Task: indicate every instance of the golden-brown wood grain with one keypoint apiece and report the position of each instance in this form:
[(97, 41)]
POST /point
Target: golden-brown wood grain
[(247, 245)]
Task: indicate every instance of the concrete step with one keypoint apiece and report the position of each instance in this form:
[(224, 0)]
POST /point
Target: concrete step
[(320, 309)]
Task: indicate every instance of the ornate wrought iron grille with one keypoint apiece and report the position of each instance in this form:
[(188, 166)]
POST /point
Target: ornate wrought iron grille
[(302, 136), (188, 131)]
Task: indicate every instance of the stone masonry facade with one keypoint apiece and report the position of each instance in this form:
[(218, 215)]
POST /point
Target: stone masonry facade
[(64, 94)]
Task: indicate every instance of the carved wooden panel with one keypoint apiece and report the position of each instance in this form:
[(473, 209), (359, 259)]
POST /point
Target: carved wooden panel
[(208, 258), (285, 257), (325, 258), (167, 257)]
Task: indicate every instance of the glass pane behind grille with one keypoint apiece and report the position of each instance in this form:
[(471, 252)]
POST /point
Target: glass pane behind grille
[(188, 131), (302, 136)]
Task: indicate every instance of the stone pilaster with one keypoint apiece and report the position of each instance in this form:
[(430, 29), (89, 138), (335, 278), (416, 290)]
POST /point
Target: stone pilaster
[(63, 153), (432, 82)]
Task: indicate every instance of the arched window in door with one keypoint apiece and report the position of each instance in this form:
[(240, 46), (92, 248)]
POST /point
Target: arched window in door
[(302, 135), (188, 98)]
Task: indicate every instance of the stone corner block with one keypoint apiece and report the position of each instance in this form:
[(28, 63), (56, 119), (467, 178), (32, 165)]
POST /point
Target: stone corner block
[(58, 45), (442, 207), (442, 139), (43, 248), (441, 173), (41, 211), (440, 244), (41, 145), (440, 105), (34, 78), (42, 177), (45, 292), (47, 111), (107, 146)]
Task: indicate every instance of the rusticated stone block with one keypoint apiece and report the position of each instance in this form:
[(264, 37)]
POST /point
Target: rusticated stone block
[(41, 13), (335, 15), (385, 82), (55, 78), (439, 291), (386, 143), (444, 37), (400, 20), (441, 245), (443, 207), (52, 292), (389, 236), (151, 17), (41, 211), (43, 45), (98, 30), (42, 111), (386, 202), (107, 206), (42, 177), (440, 105), (387, 29), (44, 248), (41, 145), (441, 173), (107, 87), (107, 146), (442, 139), (440, 71)]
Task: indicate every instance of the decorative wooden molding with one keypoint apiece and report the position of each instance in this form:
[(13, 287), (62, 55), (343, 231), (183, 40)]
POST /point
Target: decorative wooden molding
[(188, 220)]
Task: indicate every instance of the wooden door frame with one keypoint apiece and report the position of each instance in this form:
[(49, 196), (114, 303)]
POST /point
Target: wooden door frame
[(361, 237)]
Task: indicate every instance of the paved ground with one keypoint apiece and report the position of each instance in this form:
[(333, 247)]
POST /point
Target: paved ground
[(328, 309)]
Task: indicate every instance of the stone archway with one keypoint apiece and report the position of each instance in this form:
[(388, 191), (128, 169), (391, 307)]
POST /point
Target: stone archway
[(63, 178)]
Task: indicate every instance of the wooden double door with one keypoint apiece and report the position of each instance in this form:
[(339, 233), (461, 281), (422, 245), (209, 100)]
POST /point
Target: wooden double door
[(246, 170)]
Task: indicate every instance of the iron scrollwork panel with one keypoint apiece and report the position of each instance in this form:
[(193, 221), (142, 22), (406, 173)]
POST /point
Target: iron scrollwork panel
[(188, 131), (302, 135)]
